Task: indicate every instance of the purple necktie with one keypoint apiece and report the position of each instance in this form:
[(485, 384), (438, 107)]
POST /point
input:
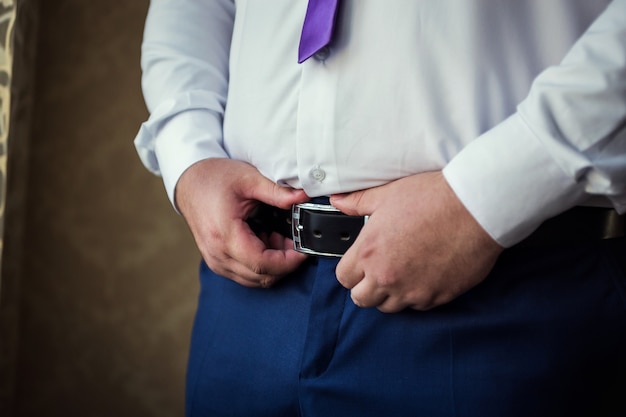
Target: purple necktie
[(317, 29)]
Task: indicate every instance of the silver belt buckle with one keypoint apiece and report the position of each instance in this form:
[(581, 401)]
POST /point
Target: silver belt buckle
[(297, 227)]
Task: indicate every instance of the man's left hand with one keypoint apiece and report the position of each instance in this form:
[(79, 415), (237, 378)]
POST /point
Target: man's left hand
[(419, 249)]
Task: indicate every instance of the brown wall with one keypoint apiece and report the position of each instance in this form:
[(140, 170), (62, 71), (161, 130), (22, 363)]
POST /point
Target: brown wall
[(107, 286)]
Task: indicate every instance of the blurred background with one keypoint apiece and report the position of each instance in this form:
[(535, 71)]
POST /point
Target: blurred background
[(98, 281)]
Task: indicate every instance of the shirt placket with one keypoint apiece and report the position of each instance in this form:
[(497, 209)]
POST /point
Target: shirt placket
[(315, 132)]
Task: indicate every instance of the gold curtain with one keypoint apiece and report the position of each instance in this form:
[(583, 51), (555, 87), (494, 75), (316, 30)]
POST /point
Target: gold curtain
[(7, 21)]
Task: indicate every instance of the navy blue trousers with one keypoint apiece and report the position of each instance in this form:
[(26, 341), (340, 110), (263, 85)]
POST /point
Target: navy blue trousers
[(543, 335)]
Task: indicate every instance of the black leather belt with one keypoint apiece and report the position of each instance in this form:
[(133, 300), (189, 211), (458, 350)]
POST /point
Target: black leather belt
[(320, 229), (316, 229)]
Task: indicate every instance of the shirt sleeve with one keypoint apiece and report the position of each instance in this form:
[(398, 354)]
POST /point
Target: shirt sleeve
[(184, 59), (565, 143)]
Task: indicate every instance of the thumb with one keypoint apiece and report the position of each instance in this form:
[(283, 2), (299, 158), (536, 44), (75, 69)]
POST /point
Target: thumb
[(276, 195), (354, 204)]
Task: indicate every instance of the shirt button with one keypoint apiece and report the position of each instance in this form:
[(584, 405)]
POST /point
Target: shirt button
[(323, 54), (318, 174)]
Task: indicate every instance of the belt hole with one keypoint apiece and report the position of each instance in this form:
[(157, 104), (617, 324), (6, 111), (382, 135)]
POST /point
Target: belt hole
[(288, 220), (317, 234), (345, 236)]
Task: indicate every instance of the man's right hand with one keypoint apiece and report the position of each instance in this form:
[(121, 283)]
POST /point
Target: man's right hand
[(216, 196)]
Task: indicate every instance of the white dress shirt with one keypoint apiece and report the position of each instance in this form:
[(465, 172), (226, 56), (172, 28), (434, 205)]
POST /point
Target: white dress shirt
[(522, 103)]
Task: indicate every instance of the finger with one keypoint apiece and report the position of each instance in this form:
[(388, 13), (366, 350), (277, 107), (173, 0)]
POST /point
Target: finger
[(275, 195), (275, 240), (278, 241), (368, 294), (348, 272), (358, 203), (246, 275), (233, 270), (250, 251), (251, 260), (239, 273), (392, 305)]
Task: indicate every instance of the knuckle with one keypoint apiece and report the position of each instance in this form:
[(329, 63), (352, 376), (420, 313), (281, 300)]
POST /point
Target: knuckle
[(359, 198), (267, 281), (342, 274), (258, 269), (387, 280), (425, 302), (356, 300), (210, 260), (388, 309), (339, 271), (420, 299)]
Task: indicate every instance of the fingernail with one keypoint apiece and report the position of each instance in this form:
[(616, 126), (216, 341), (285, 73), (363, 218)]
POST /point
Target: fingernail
[(336, 197)]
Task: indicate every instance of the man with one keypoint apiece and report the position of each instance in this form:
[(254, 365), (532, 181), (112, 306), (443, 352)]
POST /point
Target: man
[(451, 131)]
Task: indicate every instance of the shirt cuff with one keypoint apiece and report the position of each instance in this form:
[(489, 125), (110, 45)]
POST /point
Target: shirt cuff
[(509, 182), (168, 145)]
